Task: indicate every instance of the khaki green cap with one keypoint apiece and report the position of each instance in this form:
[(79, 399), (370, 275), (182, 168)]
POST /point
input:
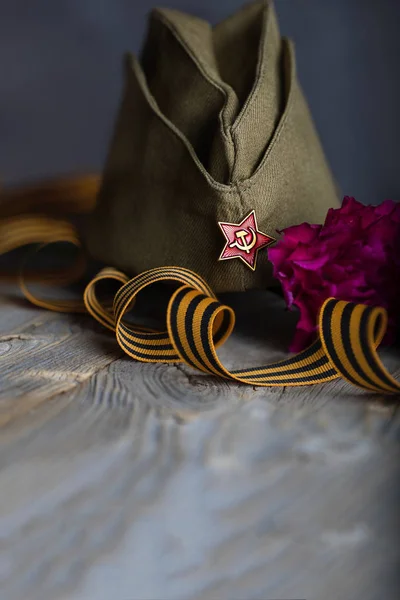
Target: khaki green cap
[(212, 125)]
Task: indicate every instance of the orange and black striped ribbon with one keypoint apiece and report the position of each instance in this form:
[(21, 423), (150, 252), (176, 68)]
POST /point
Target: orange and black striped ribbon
[(197, 323)]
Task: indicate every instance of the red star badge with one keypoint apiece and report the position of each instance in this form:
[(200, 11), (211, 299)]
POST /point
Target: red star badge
[(244, 240)]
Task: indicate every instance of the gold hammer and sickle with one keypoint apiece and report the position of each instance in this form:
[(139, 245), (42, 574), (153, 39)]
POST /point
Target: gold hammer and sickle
[(241, 237)]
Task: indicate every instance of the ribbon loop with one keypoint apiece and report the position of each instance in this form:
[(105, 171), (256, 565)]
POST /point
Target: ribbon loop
[(197, 323), (350, 334)]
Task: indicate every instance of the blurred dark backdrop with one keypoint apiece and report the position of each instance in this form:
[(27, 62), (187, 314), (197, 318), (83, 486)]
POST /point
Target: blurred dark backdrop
[(60, 82)]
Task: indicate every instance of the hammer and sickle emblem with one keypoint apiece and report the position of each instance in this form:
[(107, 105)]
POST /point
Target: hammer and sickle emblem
[(241, 242), (244, 240)]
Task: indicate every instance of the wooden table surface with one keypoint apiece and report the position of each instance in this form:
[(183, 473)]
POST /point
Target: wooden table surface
[(128, 481)]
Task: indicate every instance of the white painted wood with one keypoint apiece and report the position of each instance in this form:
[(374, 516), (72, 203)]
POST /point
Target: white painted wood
[(127, 481)]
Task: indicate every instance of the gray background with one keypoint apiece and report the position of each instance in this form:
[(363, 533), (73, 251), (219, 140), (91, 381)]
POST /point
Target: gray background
[(60, 81)]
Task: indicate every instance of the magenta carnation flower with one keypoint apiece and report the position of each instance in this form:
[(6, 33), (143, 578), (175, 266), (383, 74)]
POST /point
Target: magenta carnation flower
[(354, 256)]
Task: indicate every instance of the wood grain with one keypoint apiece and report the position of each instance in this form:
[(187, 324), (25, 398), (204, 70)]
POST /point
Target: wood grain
[(128, 481)]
